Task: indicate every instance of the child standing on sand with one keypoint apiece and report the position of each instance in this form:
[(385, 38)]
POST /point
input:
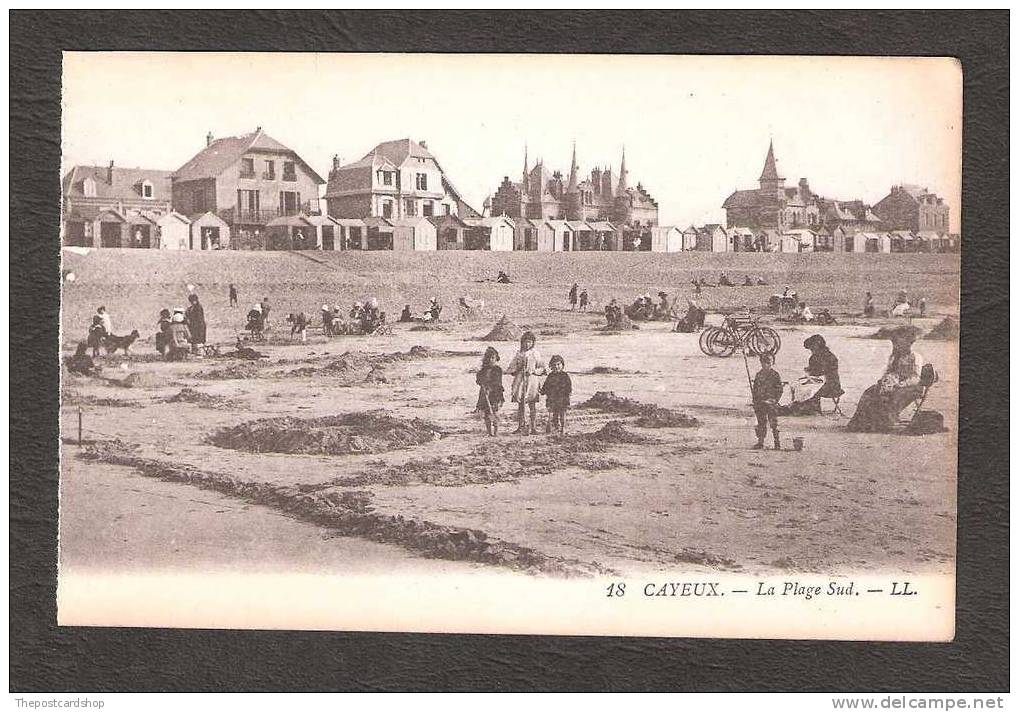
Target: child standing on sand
[(557, 389), (766, 389), (490, 393), (526, 369)]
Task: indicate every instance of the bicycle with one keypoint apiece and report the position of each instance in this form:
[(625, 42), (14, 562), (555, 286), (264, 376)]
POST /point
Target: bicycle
[(739, 331)]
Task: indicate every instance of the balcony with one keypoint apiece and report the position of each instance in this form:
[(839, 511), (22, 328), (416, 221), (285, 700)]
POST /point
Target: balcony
[(237, 216)]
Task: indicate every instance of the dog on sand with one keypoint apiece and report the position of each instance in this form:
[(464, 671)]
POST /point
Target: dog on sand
[(114, 343)]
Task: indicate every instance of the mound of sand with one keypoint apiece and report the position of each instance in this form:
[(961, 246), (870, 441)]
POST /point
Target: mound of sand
[(142, 379), (649, 414), (614, 432), (352, 433), (428, 326), (946, 330), (190, 395), (245, 369), (504, 330)]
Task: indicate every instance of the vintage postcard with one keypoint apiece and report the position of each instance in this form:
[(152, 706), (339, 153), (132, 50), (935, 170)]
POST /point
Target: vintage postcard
[(545, 344)]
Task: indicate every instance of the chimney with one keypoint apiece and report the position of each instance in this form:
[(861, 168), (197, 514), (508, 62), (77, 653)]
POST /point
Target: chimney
[(208, 139), (336, 161), (109, 174)]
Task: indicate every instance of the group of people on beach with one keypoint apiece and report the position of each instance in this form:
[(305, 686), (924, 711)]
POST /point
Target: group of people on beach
[(181, 332), (532, 378)]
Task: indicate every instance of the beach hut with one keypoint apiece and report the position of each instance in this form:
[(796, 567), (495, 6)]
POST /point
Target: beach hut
[(562, 235), (450, 232), (666, 238), (805, 240), (325, 232), (351, 234), (604, 234), (490, 233), (583, 236), (378, 234), (209, 232), (902, 241), (415, 234), (856, 242), (741, 239), (290, 232), (173, 232), (141, 230)]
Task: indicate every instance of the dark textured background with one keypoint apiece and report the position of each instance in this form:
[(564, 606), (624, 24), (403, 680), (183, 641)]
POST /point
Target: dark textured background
[(45, 657)]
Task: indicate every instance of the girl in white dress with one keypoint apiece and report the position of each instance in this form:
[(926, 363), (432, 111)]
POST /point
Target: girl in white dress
[(527, 368)]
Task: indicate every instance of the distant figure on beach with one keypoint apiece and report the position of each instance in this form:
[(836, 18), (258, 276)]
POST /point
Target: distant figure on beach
[(584, 300), (106, 319), (405, 315), (503, 278), (868, 305), (573, 296), (233, 295), (255, 323), (327, 320), (97, 333), (434, 309), (265, 314), (195, 319), (298, 326)]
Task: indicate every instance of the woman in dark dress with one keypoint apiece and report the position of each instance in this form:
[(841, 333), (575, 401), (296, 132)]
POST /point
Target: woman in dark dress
[(195, 320), (823, 364)]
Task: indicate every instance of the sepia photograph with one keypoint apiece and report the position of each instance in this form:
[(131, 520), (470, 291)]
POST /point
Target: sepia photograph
[(635, 345)]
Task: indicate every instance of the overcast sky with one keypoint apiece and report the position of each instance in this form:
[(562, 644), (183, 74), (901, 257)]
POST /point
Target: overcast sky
[(695, 128)]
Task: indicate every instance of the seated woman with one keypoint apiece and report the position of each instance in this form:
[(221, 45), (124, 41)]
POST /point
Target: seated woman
[(405, 315), (821, 381), (900, 385), (693, 319)]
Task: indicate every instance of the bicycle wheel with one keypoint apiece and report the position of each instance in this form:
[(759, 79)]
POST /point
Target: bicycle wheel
[(722, 343), (702, 340), (763, 340)]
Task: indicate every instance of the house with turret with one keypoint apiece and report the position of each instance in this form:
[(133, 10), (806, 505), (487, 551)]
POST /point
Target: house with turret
[(542, 194)]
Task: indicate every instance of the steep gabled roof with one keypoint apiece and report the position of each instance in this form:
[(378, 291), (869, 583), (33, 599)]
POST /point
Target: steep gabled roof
[(126, 183), (222, 153)]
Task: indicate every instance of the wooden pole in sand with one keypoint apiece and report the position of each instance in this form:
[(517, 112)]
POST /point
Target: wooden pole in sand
[(79, 426)]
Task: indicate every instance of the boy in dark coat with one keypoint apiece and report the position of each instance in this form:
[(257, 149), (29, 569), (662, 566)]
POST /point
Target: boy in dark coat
[(557, 389), (490, 391), (767, 389)]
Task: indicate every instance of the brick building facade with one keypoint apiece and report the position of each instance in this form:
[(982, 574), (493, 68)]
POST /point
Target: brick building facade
[(910, 207)]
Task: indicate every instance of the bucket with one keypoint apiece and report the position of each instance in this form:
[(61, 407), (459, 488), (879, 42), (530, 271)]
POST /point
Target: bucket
[(797, 444)]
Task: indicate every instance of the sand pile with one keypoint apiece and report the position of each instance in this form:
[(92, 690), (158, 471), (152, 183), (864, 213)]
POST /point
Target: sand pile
[(246, 369), (493, 461), (504, 330), (614, 432), (206, 400), (649, 414), (946, 330), (351, 433), (72, 398), (142, 379)]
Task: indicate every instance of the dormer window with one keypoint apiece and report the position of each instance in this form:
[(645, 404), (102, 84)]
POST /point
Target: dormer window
[(387, 178), (147, 190), (88, 187)]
